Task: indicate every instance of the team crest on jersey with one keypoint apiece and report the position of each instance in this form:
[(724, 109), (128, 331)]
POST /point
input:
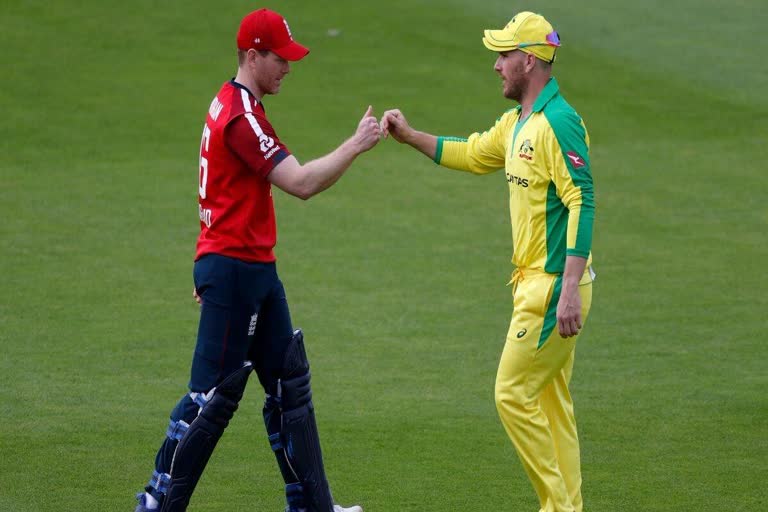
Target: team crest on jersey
[(526, 150)]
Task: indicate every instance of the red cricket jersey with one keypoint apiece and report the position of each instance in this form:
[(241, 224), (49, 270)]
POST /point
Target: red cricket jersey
[(238, 150)]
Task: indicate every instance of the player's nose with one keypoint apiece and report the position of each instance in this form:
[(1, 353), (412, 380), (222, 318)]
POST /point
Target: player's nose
[(497, 65)]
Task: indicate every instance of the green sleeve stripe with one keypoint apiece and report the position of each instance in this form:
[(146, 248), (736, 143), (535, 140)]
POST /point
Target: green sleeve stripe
[(586, 221), (572, 136), (439, 150), (550, 317), (557, 231)]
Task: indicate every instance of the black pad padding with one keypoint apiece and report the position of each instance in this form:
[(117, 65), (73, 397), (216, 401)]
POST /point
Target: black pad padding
[(298, 431), (295, 392), (196, 447), (303, 449)]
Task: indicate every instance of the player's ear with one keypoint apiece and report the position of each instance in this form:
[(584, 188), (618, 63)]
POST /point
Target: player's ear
[(530, 61), (253, 56)]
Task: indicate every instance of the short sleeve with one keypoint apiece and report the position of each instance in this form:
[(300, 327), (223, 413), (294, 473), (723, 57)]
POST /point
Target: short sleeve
[(254, 141)]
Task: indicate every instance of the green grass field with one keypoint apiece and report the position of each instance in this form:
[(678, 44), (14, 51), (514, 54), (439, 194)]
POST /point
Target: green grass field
[(397, 273)]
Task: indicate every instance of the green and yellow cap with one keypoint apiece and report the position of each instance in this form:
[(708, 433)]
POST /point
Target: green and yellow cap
[(527, 32)]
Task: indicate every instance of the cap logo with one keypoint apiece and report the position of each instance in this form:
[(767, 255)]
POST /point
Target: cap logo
[(257, 40), (288, 29)]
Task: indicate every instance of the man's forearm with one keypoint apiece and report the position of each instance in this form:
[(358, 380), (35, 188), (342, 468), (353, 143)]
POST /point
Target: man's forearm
[(323, 172), (424, 142), (574, 269)]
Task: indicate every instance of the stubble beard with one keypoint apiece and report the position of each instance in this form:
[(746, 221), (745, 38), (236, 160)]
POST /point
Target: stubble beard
[(271, 87), (515, 87), (514, 90)]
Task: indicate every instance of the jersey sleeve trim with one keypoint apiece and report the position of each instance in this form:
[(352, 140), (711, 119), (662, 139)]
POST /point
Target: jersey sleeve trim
[(440, 141), (439, 150), (279, 157), (577, 252)]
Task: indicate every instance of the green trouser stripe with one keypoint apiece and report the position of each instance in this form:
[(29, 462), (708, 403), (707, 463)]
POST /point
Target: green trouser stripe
[(550, 317)]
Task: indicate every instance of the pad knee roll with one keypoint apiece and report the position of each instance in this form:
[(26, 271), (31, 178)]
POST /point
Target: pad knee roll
[(294, 388), (295, 360)]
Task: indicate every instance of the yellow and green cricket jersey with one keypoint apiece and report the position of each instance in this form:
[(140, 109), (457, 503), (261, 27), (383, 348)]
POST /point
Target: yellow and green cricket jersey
[(546, 159)]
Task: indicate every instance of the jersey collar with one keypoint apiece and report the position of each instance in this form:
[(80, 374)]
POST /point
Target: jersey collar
[(238, 85), (549, 91)]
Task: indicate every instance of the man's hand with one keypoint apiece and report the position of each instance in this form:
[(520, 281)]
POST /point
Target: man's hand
[(368, 131), (394, 122), (569, 311), (196, 296), (569, 305)]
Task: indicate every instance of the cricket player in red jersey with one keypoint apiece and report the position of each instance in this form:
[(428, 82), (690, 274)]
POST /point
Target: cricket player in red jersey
[(245, 324)]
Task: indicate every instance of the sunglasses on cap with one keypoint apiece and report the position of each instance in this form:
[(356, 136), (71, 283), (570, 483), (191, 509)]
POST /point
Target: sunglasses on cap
[(553, 39)]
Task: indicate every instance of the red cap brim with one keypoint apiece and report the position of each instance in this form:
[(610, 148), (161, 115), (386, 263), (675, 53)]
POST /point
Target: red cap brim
[(292, 51)]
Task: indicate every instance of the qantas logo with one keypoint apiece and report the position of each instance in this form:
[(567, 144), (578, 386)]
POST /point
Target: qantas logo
[(517, 180), (575, 159)]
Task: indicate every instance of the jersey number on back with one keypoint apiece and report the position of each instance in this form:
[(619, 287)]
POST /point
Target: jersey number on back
[(204, 161)]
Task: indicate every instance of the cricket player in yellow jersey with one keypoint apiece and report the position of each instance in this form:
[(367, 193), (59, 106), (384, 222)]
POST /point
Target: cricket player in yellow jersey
[(544, 148)]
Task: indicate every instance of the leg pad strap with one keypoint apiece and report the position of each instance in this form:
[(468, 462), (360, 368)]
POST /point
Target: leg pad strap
[(177, 429), (160, 482)]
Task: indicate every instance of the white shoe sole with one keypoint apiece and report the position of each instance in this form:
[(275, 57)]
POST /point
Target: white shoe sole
[(354, 508)]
